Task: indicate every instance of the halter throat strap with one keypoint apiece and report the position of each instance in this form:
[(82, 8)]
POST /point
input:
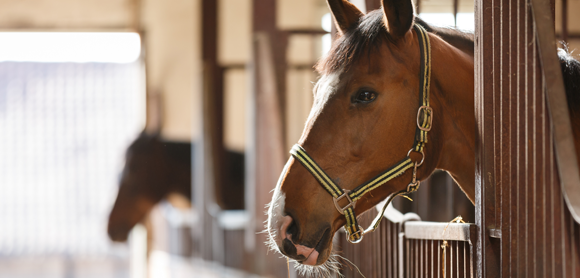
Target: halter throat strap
[(424, 120)]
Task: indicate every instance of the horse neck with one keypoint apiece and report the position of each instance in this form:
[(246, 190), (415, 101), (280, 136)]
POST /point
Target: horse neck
[(452, 90)]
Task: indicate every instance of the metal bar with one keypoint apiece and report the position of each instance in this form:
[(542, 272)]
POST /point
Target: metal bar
[(403, 244), (451, 259), (465, 258), (432, 266), (421, 253), (457, 257), (415, 259)]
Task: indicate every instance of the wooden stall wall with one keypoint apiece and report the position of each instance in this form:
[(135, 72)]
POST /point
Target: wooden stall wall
[(525, 227)]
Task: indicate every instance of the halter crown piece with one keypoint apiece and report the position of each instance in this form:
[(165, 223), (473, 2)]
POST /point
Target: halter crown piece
[(354, 231)]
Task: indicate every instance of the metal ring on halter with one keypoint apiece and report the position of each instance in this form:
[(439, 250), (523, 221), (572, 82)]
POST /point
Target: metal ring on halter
[(362, 233), (344, 195), (422, 154)]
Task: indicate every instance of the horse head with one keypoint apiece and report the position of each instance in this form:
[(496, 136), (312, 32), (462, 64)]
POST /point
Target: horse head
[(145, 170), (364, 119)]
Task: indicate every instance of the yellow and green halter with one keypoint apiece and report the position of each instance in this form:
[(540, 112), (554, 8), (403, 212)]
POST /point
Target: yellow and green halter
[(424, 120)]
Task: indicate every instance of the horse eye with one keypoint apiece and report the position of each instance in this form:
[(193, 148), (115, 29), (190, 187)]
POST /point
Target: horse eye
[(366, 96)]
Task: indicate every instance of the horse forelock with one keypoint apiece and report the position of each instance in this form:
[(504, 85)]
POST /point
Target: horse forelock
[(362, 38)]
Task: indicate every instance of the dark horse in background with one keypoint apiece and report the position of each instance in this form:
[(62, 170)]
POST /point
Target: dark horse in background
[(155, 169), (364, 119)]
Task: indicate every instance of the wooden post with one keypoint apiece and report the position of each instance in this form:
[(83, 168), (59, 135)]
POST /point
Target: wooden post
[(209, 149), (265, 152), (455, 10), (565, 20)]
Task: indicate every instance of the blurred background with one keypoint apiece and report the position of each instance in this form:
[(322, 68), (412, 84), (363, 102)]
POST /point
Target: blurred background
[(142, 138)]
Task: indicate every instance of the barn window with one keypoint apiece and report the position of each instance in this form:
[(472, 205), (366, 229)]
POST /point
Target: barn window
[(70, 103), (465, 21), (56, 47)]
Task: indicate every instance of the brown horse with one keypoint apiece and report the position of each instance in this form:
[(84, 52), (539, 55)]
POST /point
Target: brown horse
[(364, 119), (153, 169)]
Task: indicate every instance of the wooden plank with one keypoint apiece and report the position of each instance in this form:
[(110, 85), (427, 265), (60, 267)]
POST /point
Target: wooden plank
[(486, 110)]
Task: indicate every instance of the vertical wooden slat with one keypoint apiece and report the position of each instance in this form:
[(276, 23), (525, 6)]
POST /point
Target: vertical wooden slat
[(487, 217), (438, 246)]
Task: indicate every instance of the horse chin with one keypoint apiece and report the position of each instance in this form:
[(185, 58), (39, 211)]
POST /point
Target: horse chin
[(118, 235), (327, 264)]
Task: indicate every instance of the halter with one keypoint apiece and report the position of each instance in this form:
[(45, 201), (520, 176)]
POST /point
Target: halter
[(354, 231)]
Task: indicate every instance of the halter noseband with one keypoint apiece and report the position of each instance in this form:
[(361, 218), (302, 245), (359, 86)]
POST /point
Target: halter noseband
[(424, 119)]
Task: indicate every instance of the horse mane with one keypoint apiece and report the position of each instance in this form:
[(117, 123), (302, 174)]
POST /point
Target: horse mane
[(365, 37)]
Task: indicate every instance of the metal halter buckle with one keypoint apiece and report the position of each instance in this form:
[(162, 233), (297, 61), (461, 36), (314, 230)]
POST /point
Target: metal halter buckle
[(427, 114), (350, 202), (360, 231), (422, 157)]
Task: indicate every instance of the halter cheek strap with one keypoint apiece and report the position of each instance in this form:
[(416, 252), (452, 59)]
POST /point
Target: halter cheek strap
[(424, 120)]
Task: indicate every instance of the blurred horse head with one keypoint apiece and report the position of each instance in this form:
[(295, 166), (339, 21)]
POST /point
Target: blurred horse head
[(153, 169)]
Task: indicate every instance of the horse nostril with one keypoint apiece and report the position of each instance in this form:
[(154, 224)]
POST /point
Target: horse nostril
[(288, 228), (292, 229)]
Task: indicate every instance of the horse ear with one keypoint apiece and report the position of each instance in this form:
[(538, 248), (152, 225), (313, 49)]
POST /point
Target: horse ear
[(345, 14), (398, 16)]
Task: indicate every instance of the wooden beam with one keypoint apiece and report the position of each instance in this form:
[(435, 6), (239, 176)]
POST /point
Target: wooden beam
[(372, 5), (418, 7), (213, 78), (455, 9), (564, 20), (265, 20), (265, 152), (210, 147), (307, 32)]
